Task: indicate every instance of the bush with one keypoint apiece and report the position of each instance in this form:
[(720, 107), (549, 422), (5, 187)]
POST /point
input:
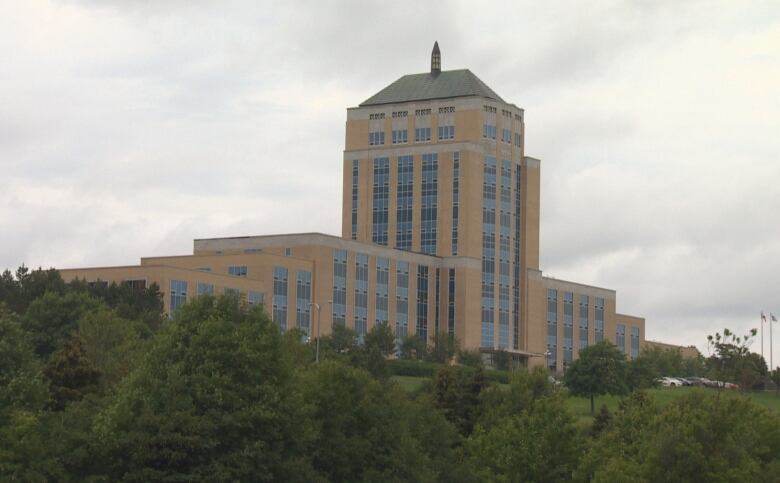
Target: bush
[(412, 368)]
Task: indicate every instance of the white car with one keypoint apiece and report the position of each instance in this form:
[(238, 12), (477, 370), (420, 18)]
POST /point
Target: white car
[(670, 382)]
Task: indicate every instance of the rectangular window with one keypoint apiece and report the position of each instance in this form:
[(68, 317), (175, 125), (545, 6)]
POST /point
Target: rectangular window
[(568, 327), (339, 287), (399, 136), (178, 294), (376, 138), (517, 140), (584, 321), (504, 259), (355, 179), (255, 298), (361, 296), (488, 252), (302, 301), (552, 327), (429, 203), (205, 288), (620, 337), (135, 284), (516, 258), (422, 134), (451, 303), (401, 301), (455, 200), (506, 136), (599, 316), (382, 280), (381, 201), (634, 342), (404, 203), (237, 270), (446, 133), (279, 302), (232, 292), (422, 302)]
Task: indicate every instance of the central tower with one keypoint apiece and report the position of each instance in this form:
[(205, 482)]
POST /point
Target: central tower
[(434, 163)]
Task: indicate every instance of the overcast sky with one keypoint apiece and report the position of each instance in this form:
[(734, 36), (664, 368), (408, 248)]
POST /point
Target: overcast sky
[(128, 128)]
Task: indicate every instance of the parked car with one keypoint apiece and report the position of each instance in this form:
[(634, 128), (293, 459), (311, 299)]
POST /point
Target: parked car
[(730, 385), (670, 382), (696, 381)]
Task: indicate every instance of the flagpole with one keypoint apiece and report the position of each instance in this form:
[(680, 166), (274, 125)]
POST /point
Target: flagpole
[(771, 363), (762, 335)]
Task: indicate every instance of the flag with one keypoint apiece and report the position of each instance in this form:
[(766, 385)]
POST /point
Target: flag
[(772, 317), (763, 317)]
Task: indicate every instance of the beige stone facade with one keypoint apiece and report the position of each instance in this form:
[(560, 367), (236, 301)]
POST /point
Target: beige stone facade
[(440, 234)]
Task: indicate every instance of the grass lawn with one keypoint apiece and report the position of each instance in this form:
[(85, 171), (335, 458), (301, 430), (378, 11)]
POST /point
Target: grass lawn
[(580, 406)]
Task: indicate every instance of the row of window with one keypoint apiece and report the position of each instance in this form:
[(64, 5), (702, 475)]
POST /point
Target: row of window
[(421, 135), (179, 293)]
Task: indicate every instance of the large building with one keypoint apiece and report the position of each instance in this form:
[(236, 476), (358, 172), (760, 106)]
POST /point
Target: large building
[(440, 235)]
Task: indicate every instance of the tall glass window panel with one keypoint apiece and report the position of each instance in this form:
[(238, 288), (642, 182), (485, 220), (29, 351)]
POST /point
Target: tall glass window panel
[(361, 296), (381, 201), (584, 301), (401, 301), (429, 203), (422, 302), (552, 327), (404, 203), (339, 287), (382, 280), (303, 299), (279, 302), (178, 294)]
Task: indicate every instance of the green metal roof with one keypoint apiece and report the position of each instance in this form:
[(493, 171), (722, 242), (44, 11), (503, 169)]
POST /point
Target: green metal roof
[(419, 87)]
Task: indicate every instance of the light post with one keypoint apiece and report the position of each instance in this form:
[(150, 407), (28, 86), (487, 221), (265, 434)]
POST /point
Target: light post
[(317, 306), (317, 356), (547, 355)]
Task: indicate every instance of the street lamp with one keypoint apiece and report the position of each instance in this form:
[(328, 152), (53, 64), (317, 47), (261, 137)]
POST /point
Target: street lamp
[(317, 306)]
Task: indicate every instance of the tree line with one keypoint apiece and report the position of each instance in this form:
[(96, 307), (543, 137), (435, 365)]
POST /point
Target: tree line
[(96, 384)]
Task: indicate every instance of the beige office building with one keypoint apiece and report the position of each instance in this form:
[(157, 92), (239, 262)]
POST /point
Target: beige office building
[(440, 234)]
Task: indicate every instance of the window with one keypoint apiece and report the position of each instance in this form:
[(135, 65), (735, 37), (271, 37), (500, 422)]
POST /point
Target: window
[(584, 321), (429, 203), (516, 259), (404, 203), (518, 140), (339, 287), (488, 251), (451, 303), (634, 342), (455, 200), (237, 270), (288, 252), (599, 313), (489, 131), (376, 138), (232, 292), (422, 134), (302, 301), (568, 327), (135, 284), (422, 302), (506, 136), (552, 327), (255, 298), (355, 178), (382, 280), (361, 296), (401, 301), (279, 302), (446, 132), (381, 201), (399, 136), (205, 288), (620, 337), (178, 294)]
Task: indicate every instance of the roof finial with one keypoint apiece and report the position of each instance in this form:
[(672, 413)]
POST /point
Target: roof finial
[(436, 59)]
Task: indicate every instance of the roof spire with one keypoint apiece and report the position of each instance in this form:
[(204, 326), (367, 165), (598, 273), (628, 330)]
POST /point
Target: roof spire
[(436, 59)]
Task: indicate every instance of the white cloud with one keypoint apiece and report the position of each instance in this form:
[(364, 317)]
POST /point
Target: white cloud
[(129, 128)]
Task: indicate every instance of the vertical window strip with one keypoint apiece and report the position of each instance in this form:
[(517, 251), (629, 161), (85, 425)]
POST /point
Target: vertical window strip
[(455, 200), (178, 294), (361, 296), (552, 327), (355, 180), (429, 203), (599, 316), (505, 217), (382, 279), (279, 302), (516, 274), (404, 203), (422, 302), (381, 201), (303, 299), (488, 251), (584, 302), (451, 303), (339, 287), (568, 328), (402, 301)]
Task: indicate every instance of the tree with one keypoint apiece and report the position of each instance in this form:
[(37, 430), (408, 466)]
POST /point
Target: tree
[(456, 391), (53, 316), (471, 358), (413, 347), (213, 399), (600, 369), (380, 338), (502, 360), (732, 360), (71, 374), (444, 348)]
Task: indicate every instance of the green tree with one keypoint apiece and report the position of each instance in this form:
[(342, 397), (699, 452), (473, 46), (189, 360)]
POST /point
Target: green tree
[(732, 360), (540, 443), (71, 374), (364, 430), (212, 400), (53, 316), (456, 392), (470, 358), (502, 360), (525, 389), (600, 369), (444, 348), (20, 289), (413, 347), (381, 339)]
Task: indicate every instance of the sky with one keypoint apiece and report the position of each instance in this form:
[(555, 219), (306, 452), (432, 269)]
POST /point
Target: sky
[(129, 128)]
